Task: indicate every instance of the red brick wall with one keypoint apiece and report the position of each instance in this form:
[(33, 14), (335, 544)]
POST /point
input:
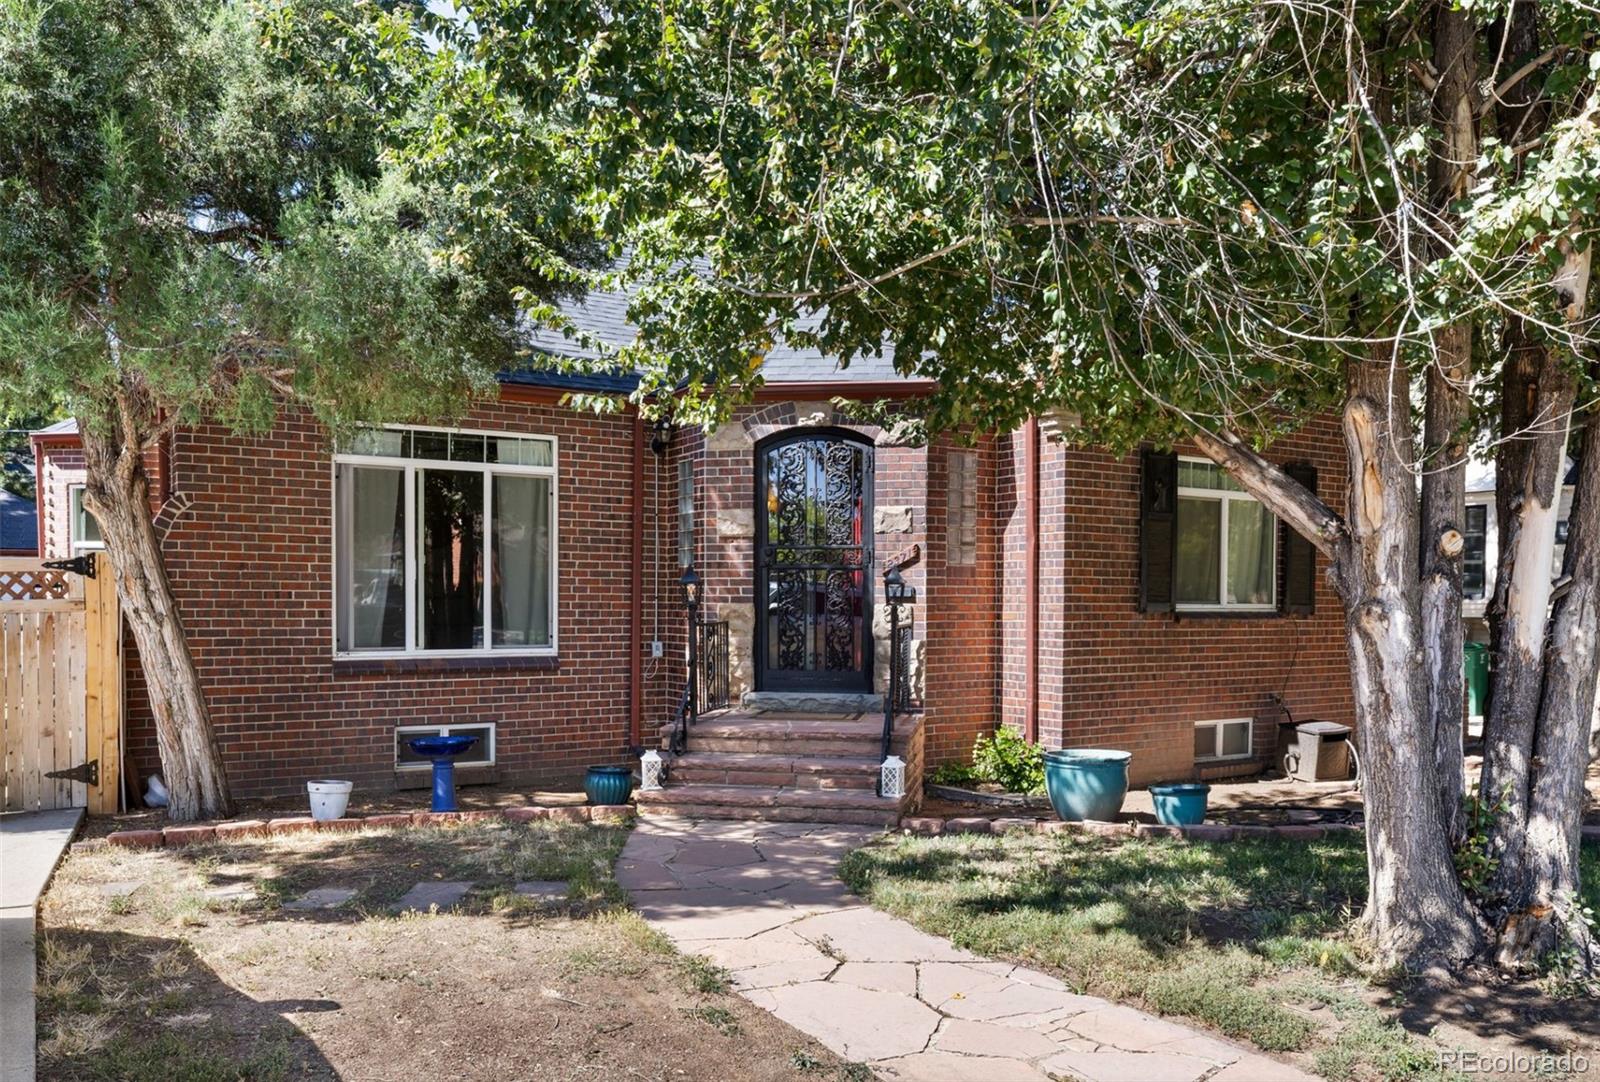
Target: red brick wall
[(963, 614), (1111, 676), (251, 563)]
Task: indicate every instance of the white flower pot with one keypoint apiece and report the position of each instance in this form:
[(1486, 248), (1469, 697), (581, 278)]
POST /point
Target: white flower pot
[(328, 798)]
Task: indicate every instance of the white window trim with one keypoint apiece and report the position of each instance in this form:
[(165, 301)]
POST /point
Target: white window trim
[(1216, 725), (408, 467), (403, 731), (1226, 497), (75, 508)]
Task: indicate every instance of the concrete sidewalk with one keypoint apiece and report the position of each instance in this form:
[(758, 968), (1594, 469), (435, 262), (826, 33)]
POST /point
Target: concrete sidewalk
[(31, 845), (764, 901)]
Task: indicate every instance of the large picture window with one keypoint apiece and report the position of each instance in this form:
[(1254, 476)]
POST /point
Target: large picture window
[(1227, 543), (445, 543)]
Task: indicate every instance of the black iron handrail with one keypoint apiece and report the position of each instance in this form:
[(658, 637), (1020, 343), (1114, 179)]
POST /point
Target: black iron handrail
[(715, 688), (678, 741)]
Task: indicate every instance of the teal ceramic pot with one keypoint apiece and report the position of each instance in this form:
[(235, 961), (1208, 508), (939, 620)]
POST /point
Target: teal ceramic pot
[(608, 784), (1086, 783), (1180, 805)]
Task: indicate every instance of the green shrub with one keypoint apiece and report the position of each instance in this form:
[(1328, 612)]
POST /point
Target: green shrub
[(1010, 761)]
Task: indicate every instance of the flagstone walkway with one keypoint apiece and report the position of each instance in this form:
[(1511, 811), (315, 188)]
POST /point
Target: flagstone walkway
[(763, 900)]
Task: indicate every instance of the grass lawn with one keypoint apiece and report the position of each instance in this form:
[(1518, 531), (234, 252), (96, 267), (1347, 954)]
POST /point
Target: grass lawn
[(1249, 937), (200, 973)]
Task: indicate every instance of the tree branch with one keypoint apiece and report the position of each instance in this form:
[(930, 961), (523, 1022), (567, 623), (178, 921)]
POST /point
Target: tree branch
[(1520, 74), (1278, 492)]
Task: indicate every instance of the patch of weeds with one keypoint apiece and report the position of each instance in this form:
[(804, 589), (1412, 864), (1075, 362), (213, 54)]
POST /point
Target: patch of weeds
[(176, 1057), (75, 1034), (805, 1062), (826, 948), (121, 905), (856, 1072), (635, 931), (1221, 994), (718, 1018), (1366, 1046), (703, 975)]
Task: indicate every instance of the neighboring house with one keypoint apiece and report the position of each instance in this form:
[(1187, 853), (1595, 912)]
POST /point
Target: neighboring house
[(19, 525), (517, 576), (1482, 555)]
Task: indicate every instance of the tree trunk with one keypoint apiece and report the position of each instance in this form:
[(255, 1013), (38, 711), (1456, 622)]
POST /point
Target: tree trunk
[(1526, 566), (1520, 114), (1539, 882), (1548, 913), (1417, 914), (116, 491), (1444, 480)]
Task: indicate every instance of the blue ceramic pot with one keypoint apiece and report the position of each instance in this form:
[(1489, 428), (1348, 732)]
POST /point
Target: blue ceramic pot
[(1086, 783), (608, 784), (1180, 805)]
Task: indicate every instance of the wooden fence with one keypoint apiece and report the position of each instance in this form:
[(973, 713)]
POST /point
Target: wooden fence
[(60, 687)]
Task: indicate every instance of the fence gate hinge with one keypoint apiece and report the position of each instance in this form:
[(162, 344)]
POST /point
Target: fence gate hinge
[(78, 565), (86, 773)]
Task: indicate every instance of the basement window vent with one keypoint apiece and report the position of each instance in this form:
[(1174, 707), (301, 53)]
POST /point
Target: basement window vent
[(1220, 740), (480, 754)]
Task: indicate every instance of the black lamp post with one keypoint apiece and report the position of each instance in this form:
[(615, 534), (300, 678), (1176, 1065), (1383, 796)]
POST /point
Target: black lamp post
[(689, 586), (896, 592)]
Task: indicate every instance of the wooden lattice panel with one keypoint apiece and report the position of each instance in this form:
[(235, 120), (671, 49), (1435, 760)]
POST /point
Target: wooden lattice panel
[(34, 584)]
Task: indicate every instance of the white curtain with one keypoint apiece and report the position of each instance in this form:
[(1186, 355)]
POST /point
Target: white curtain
[(1250, 563), (521, 561), (1199, 551), (377, 573)]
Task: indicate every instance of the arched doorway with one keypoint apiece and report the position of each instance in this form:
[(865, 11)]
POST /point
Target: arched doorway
[(813, 589)]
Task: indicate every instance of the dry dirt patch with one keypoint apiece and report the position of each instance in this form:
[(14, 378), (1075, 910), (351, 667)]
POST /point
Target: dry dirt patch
[(183, 965)]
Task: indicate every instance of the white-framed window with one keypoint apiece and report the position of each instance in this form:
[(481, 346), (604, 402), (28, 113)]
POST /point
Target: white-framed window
[(85, 531), (1227, 547), (1229, 738), (479, 754), (445, 543)]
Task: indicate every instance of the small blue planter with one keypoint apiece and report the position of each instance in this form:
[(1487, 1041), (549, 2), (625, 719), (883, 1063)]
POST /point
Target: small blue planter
[(1086, 783), (1180, 805), (608, 784)]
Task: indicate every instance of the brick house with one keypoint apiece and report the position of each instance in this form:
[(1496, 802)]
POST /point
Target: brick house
[(517, 576)]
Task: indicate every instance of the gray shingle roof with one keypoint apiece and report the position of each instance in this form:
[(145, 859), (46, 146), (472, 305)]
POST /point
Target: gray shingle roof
[(605, 316), (19, 523)]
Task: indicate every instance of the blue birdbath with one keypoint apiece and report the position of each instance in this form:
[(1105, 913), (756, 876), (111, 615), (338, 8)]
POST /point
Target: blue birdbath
[(443, 751)]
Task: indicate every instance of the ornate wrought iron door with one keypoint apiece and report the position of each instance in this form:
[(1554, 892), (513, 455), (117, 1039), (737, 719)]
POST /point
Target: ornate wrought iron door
[(814, 562)]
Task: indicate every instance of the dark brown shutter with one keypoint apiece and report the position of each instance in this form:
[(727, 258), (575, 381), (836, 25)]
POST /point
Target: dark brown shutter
[(1158, 529), (1299, 595)]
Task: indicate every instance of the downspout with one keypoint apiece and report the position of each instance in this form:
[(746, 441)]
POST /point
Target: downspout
[(636, 592), (1030, 588), (38, 497)]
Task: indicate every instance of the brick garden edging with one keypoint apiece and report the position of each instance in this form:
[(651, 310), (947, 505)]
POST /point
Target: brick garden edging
[(201, 834), (926, 826), (1202, 832)]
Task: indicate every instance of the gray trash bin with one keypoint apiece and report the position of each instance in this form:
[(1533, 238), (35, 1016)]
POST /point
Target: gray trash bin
[(1321, 752)]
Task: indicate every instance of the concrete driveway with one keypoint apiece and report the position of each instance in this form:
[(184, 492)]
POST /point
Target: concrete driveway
[(31, 845)]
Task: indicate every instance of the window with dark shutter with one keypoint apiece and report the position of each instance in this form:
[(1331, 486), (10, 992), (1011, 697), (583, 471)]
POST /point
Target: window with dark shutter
[(1299, 592), (1158, 529)]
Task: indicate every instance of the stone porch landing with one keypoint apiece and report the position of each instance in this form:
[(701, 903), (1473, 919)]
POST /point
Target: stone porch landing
[(788, 766), (764, 901)]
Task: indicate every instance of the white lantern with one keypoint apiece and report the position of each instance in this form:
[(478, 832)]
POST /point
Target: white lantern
[(893, 781), (650, 770)]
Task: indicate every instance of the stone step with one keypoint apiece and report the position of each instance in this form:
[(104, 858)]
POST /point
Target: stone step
[(770, 804), (812, 702), (793, 735), (782, 771)]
